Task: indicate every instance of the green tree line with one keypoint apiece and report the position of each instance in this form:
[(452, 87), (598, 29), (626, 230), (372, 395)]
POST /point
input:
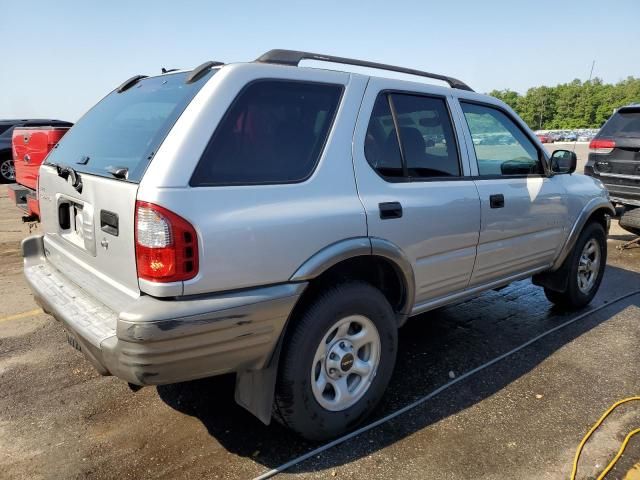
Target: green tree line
[(571, 105)]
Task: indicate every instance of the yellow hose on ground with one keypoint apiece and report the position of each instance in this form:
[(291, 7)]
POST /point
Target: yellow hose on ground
[(574, 471)]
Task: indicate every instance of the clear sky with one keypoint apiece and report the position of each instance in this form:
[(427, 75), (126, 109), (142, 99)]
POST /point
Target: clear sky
[(60, 57)]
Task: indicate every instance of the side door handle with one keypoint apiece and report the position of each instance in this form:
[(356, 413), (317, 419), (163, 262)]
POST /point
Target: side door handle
[(390, 210), (496, 201)]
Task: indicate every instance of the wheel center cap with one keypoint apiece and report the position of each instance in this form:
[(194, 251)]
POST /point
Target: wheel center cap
[(346, 362)]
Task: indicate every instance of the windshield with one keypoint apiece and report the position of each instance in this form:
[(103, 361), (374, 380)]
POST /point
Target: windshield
[(625, 123), (124, 130)]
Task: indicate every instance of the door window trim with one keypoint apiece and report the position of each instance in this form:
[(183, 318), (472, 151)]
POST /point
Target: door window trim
[(405, 171), (542, 158)]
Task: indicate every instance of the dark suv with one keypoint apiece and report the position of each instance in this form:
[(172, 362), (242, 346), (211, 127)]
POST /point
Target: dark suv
[(7, 169), (614, 158)]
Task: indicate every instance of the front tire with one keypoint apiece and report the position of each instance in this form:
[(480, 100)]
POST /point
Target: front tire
[(337, 361), (585, 268)]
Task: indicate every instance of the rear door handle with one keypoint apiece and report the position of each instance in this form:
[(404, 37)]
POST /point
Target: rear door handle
[(496, 201), (390, 210), (109, 222)]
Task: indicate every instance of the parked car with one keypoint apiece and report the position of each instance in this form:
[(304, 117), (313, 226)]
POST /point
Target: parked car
[(556, 136), (544, 137), (570, 137), (274, 221), (614, 158), (30, 146), (7, 167)]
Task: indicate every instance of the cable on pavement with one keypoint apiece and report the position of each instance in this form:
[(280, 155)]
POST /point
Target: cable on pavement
[(437, 391), (576, 459)]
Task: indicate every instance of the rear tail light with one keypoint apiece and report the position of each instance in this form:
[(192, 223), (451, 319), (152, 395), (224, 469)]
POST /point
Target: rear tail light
[(166, 245), (602, 145)]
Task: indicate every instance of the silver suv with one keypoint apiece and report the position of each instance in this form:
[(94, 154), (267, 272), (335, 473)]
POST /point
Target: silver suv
[(282, 222)]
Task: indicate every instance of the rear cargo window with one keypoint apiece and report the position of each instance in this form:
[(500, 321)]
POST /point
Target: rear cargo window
[(125, 129), (274, 132), (622, 124)]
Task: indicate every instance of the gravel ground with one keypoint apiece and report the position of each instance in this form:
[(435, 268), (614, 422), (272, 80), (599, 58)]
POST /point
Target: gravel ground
[(521, 418)]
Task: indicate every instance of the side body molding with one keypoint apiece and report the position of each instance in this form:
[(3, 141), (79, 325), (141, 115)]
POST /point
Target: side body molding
[(361, 246), (598, 203)]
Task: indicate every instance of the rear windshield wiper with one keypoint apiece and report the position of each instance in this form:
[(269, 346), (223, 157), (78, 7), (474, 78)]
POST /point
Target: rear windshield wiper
[(66, 172), (119, 172)]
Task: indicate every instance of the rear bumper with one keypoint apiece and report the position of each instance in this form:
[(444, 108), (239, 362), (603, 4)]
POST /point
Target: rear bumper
[(624, 189), (24, 198), (153, 341)]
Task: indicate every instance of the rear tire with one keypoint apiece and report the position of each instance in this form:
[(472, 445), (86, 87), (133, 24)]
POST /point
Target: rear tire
[(7, 171), (630, 221), (585, 268), (337, 361)]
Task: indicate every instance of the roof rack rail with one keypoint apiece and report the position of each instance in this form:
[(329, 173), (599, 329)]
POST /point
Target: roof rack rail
[(200, 70), (294, 57), (130, 82)]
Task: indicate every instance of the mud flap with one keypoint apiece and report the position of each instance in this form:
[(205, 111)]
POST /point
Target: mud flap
[(255, 391), (556, 281)]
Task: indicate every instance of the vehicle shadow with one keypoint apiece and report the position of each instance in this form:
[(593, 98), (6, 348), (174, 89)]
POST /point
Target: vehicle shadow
[(433, 347)]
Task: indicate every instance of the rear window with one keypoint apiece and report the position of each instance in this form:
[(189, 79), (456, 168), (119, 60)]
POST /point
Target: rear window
[(125, 129), (625, 123), (274, 132)]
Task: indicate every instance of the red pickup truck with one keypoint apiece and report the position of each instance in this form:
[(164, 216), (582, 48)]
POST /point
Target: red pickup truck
[(30, 147)]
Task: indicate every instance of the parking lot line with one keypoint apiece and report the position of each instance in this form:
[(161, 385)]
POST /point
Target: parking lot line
[(420, 401), (18, 316)]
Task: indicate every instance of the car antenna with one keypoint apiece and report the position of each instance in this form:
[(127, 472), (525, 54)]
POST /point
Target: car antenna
[(164, 70)]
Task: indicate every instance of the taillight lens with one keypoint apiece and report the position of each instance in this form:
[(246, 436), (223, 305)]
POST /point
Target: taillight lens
[(602, 145), (166, 245)]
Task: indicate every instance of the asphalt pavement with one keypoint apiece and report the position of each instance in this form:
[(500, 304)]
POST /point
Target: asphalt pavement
[(520, 418)]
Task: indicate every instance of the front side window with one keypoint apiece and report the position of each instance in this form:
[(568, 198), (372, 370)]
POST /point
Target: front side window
[(274, 132), (501, 146)]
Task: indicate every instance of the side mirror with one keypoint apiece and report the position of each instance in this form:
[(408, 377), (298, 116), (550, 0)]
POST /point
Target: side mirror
[(563, 161)]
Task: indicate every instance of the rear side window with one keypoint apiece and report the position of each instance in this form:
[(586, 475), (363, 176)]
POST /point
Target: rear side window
[(125, 129), (381, 143), (274, 132), (625, 123), (426, 133), (429, 147)]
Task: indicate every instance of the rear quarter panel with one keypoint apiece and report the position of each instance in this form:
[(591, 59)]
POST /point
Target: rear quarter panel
[(258, 235)]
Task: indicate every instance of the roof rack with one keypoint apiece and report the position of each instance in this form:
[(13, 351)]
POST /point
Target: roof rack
[(200, 70), (294, 57), (130, 82)]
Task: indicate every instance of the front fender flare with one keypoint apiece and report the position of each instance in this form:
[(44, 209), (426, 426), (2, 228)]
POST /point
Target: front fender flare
[(595, 204)]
